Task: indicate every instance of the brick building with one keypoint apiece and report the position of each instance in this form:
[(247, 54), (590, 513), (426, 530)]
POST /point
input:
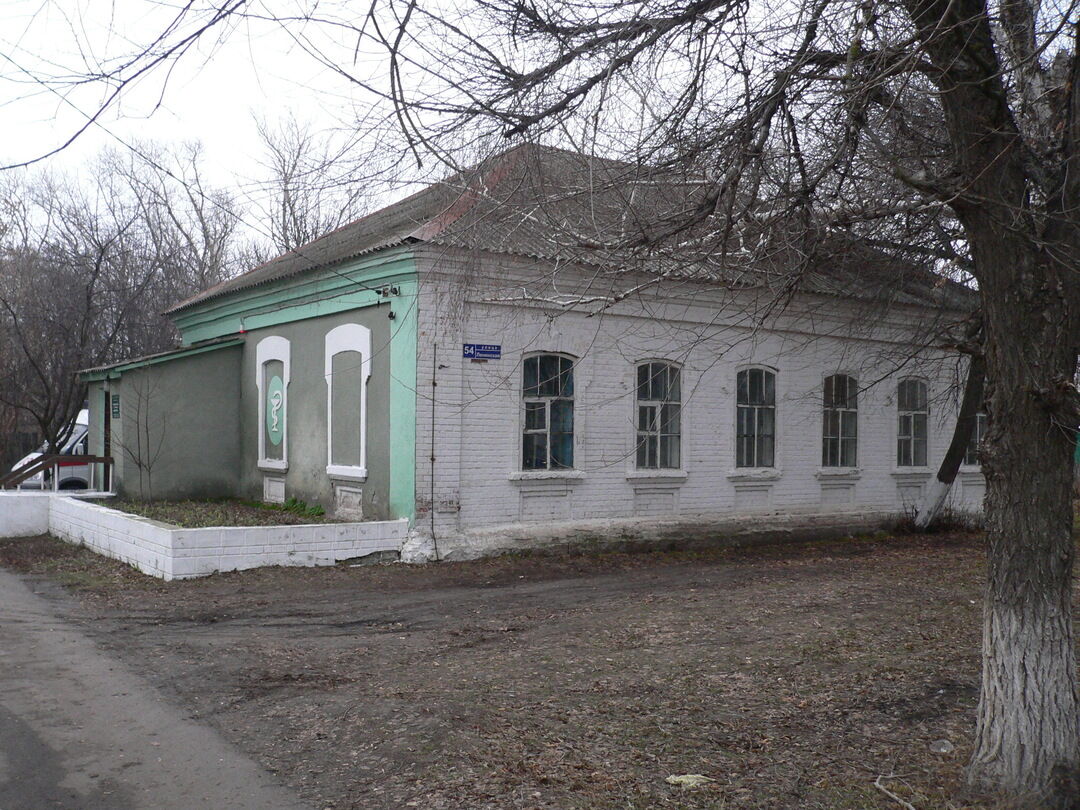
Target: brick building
[(490, 360)]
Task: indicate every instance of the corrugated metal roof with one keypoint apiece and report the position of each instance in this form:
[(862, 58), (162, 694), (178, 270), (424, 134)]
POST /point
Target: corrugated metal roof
[(549, 203)]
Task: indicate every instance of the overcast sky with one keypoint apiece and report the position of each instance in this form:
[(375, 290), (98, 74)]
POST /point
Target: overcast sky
[(211, 95)]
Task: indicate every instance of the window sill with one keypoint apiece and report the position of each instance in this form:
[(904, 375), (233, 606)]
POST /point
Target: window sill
[(270, 465), (970, 469), (358, 474), (911, 472), (656, 475), (546, 475), (754, 474), (841, 473)]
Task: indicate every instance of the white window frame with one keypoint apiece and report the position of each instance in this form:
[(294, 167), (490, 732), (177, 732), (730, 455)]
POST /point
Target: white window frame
[(546, 430), (978, 433), (849, 411), (268, 350), (775, 414), (657, 406), (910, 439), (349, 337)]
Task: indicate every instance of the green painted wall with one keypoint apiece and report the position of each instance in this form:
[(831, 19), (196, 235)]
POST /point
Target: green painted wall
[(306, 477), (348, 286), (302, 310), (180, 420), (403, 404)]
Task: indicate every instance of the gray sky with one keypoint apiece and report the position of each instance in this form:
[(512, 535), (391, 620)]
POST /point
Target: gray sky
[(212, 95)]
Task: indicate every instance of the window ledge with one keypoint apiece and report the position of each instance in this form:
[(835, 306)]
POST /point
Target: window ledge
[(842, 473), (912, 472), (547, 475), (970, 469), (656, 475), (271, 465), (358, 474), (754, 474)]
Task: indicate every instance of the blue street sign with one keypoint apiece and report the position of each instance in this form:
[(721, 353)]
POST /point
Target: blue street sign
[(481, 351)]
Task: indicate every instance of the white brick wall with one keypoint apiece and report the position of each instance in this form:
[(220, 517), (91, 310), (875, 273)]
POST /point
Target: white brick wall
[(170, 553), (476, 473)]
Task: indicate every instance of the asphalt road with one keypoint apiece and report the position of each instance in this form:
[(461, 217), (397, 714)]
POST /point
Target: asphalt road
[(80, 730)]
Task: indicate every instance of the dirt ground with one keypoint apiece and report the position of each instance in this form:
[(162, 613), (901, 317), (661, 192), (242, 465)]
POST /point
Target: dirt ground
[(795, 676)]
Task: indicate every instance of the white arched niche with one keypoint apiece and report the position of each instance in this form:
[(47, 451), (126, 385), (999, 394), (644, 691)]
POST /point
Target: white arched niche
[(347, 367), (270, 354)]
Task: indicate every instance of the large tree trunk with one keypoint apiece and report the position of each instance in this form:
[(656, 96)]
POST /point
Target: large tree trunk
[(1028, 735)]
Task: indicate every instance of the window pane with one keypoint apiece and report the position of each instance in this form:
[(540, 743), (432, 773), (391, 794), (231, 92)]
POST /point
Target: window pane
[(529, 386), (903, 396), (744, 423), (646, 418), (743, 451), (549, 375), (848, 453), (566, 377), (535, 451), (903, 452), (562, 416), (674, 384), (919, 425), (848, 424), (757, 392), (831, 423), (643, 381), (769, 397), (765, 450), (827, 452), (766, 421), (919, 452), (669, 452), (670, 421), (562, 450), (852, 393), (535, 415), (903, 429), (743, 388), (920, 396)]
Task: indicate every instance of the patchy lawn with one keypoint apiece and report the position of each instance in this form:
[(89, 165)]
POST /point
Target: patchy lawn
[(794, 676), (220, 512)]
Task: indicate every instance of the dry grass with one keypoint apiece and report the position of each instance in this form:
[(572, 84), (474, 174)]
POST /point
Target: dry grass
[(794, 676)]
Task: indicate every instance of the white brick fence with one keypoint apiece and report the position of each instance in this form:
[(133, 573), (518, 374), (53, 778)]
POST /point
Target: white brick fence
[(165, 551)]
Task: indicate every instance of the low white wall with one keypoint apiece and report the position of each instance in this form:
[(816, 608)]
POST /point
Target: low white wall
[(165, 551), (143, 543), (23, 514)]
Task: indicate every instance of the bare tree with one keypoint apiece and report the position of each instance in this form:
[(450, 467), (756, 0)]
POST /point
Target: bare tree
[(789, 117), (145, 428), (85, 271), (304, 195)]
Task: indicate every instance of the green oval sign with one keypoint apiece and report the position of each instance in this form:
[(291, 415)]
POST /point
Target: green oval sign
[(275, 410)]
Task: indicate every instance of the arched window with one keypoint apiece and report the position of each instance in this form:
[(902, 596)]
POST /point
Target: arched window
[(272, 382), (755, 423), (659, 417), (347, 366), (912, 419), (547, 390), (840, 422)]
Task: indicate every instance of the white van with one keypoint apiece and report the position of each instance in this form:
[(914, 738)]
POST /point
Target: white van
[(73, 473)]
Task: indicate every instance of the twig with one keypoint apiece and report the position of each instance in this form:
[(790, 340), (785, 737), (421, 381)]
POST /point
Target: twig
[(891, 795)]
